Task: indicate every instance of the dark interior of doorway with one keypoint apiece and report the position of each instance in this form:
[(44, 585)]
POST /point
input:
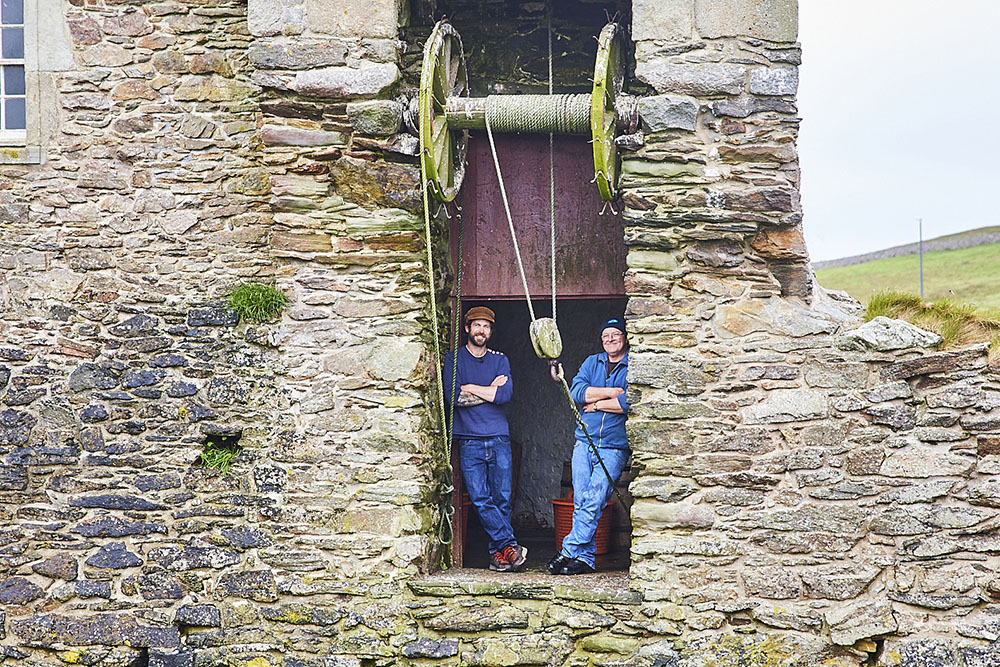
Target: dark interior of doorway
[(542, 425)]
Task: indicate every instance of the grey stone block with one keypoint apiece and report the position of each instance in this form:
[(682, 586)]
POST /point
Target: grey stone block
[(774, 81), (379, 118), (178, 659), (884, 334), (692, 79), (745, 105), (860, 620), (666, 21), (203, 615), (107, 628), (296, 54), (114, 556), (355, 18), (669, 112), (369, 80), (264, 17), (19, 591), (773, 20), (787, 406)]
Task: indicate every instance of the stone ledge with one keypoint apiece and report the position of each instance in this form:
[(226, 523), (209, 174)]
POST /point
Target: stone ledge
[(612, 587), (21, 155)]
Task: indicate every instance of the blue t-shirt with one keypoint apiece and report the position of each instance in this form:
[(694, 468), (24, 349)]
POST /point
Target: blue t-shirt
[(486, 419)]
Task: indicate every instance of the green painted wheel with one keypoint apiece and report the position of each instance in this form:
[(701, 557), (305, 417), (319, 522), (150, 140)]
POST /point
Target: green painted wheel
[(442, 75), (609, 78)]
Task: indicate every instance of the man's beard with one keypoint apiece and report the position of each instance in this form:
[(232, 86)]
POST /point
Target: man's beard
[(479, 339)]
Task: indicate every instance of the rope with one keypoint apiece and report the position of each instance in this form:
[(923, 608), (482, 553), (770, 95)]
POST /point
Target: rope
[(457, 316), (552, 183), (446, 532), (562, 114), (527, 296), (593, 447), (506, 208)]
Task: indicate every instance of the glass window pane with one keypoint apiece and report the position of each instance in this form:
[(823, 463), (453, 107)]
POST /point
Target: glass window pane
[(12, 11), (13, 80), (13, 43), (14, 114)]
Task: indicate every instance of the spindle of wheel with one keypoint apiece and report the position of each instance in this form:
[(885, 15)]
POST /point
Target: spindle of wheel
[(445, 116)]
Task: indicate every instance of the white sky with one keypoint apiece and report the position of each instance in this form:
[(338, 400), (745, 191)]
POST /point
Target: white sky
[(900, 108)]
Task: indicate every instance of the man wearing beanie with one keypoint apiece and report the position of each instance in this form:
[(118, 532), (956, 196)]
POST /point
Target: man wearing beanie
[(482, 436), (599, 389)]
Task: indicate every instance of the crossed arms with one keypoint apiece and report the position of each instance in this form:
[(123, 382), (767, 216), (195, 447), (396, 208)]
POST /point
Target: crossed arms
[(603, 399), (475, 394)]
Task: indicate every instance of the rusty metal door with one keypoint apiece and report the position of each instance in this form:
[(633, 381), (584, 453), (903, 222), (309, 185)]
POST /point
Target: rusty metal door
[(590, 248)]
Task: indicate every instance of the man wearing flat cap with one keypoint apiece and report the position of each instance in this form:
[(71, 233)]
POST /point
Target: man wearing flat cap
[(599, 391), (482, 436)]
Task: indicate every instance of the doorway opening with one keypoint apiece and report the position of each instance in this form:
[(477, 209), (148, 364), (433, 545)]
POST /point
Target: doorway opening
[(541, 428), (589, 270)]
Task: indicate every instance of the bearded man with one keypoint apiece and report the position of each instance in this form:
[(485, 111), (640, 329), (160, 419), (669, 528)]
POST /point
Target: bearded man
[(482, 435)]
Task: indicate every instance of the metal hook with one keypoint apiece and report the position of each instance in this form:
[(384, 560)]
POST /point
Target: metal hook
[(444, 206)]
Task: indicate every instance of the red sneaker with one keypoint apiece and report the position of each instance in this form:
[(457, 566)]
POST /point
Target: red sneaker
[(499, 562), (515, 555)]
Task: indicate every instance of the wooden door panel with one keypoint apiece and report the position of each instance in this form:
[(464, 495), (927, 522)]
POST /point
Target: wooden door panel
[(590, 249)]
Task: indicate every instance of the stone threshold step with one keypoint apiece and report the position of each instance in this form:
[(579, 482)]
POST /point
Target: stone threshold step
[(611, 587)]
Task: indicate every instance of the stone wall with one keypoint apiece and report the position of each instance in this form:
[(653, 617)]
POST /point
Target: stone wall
[(808, 492)]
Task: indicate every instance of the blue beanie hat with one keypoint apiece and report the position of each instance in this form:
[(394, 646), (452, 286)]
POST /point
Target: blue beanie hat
[(613, 323)]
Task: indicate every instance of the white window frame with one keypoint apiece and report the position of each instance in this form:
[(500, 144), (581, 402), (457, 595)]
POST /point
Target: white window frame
[(44, 23), (16, 137)]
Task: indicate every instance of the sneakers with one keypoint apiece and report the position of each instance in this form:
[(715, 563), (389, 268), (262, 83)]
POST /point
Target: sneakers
[(509, 559)]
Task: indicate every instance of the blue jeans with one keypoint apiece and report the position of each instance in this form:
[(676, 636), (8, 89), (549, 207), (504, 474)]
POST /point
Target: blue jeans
[(487, 470), (591, 490)]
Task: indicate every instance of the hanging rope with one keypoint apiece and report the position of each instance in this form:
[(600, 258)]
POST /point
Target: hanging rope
[(446, 531), (506, 208), (552, 182), (447, 535)]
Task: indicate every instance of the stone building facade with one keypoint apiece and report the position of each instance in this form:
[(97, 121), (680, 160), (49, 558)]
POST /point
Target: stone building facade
[(808, 491)]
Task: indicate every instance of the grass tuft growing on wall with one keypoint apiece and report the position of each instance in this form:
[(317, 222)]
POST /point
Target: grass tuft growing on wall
[(257, 303), (957, 324), (219, 453)]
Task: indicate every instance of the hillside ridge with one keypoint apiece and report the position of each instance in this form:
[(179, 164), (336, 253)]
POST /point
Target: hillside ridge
[(966, 239)]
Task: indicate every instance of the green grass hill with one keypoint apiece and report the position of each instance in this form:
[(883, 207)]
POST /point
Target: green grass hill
[(963, 276)]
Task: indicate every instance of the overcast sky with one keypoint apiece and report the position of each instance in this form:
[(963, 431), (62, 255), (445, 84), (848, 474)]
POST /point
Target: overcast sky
[(900, 108)]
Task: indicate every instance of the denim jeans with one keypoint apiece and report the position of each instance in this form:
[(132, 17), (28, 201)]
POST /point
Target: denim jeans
[(487, 470), (591, 491)]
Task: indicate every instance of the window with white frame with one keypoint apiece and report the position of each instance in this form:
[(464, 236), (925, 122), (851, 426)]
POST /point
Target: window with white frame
[(13, 114)]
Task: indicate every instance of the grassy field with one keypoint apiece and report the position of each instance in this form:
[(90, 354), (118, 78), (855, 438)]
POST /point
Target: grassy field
[(965, 276)]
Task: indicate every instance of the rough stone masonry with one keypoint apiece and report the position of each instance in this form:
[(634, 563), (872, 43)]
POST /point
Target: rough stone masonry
[(809, 491)]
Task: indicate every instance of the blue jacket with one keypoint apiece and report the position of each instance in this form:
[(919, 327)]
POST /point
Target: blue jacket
[(607, 429), (486, 419)]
